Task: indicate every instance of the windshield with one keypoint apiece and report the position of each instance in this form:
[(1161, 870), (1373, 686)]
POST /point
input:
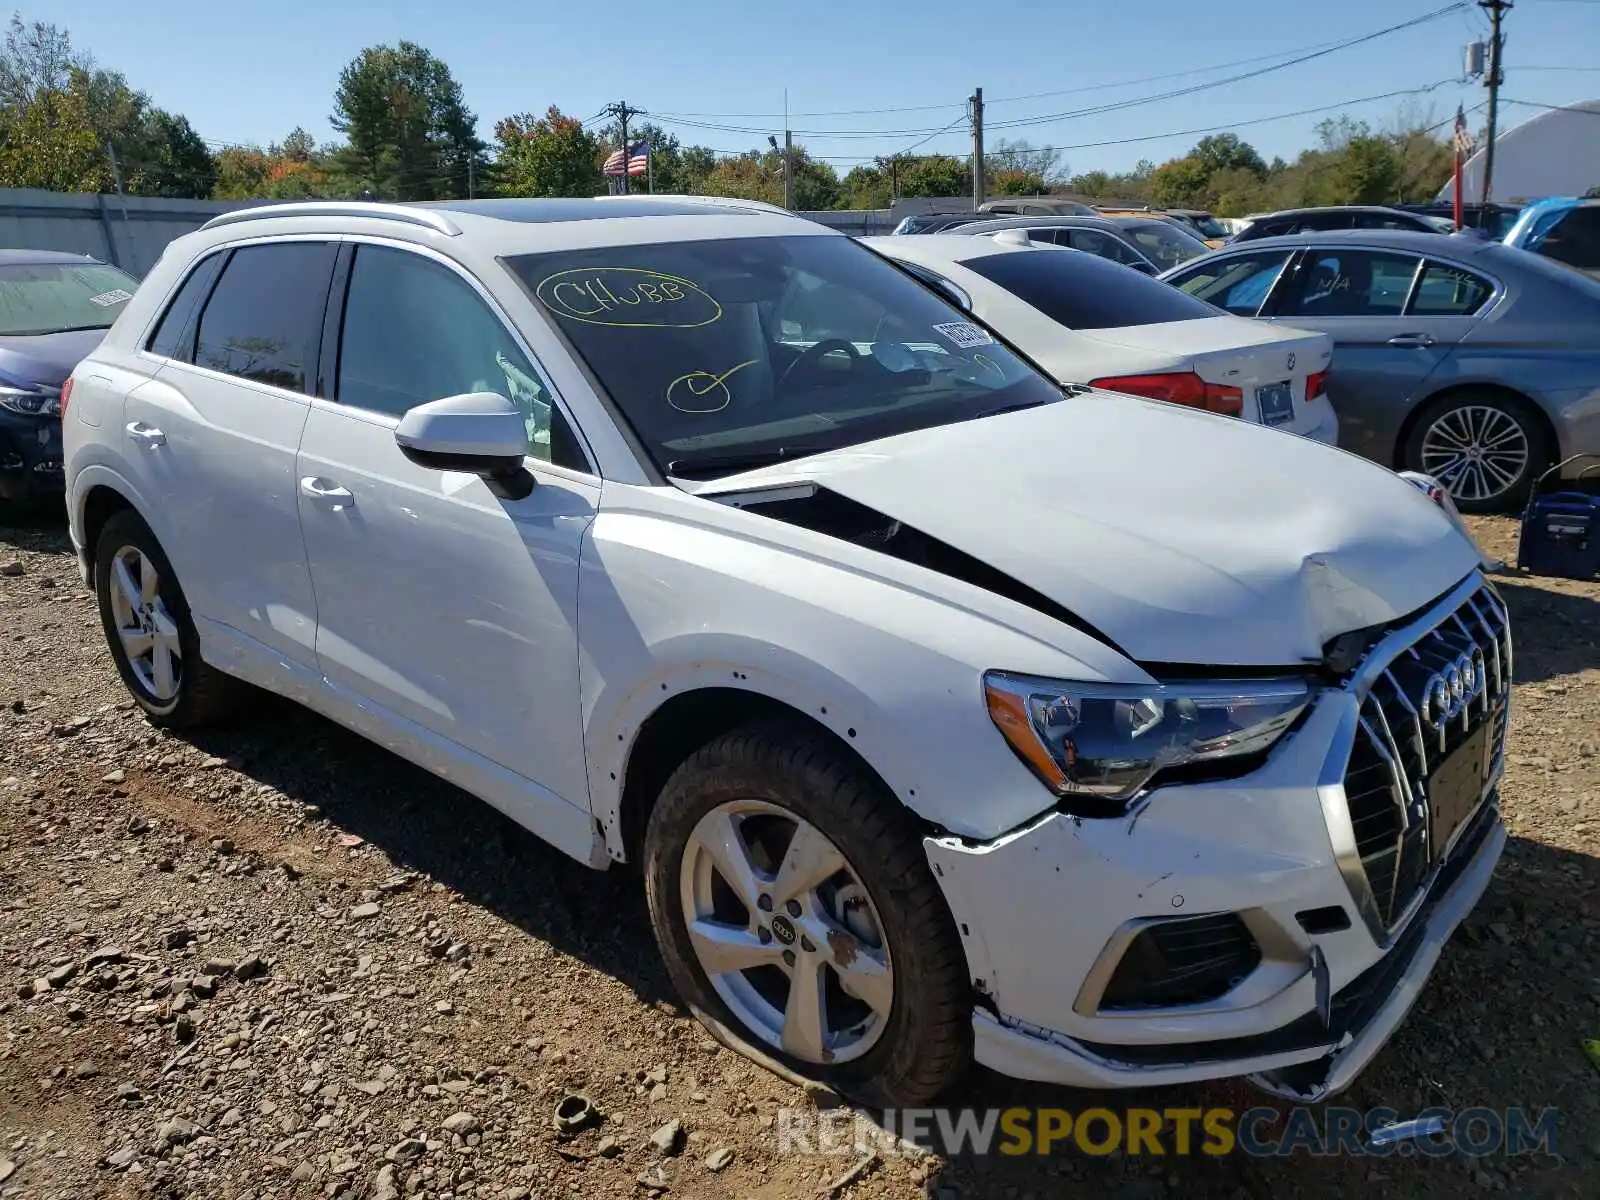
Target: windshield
[(1210, 227), (724, 354), (1164, 243), (40, 298)]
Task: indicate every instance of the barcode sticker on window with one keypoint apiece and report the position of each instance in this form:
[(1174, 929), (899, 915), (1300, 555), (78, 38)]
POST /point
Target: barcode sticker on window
[(965, 334), (107, 299)]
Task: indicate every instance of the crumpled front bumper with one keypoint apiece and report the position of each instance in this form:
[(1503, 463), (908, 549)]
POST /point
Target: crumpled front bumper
[(1040, 909)]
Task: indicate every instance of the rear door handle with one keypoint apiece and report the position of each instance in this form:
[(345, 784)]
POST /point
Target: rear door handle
[(326, 491), (1414, 341), (148, 434)]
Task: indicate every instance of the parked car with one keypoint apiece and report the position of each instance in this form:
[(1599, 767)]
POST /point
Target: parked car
[(1458, 357), (936, 222), (1202, 224), (54, 308), (1143, 243), (1493, 220), (1035, 206), (1563, 230), (1087, 321), (945, 716), (1324, 220)]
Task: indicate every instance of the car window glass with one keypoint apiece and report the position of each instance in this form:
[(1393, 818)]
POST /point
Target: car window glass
[(1165, 244), (1449, 292), (415, 331), (724, 353), (1092, 241), (1575, 239), (174, 336), (1350, 283), (1084, 291), (1239, 285), (1049, 236), (264, 316)]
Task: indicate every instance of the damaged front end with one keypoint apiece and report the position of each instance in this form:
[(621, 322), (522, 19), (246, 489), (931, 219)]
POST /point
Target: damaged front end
[(1278, 925)]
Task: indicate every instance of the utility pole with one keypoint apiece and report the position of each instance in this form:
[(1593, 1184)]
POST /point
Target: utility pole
[(977, 148), (1497, 10), (622, 111), (788, 170)]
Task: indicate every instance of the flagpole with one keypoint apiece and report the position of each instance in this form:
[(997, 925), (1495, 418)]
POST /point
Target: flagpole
[(650, 168)]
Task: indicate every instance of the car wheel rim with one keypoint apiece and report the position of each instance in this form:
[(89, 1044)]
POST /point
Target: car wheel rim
[(785, 932), (1477, 452), (146, 630)]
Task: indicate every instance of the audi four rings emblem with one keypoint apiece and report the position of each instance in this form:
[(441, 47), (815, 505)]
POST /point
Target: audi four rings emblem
[(1450, 689)]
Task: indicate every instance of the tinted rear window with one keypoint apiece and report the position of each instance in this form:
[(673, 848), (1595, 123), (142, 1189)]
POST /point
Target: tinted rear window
[(1083, 291)]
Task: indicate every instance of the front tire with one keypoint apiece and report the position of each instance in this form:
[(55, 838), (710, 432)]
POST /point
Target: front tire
[(152, 637), (792, 901), (1485, 447)]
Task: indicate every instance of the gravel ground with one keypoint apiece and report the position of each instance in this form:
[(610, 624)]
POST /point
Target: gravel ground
[(274, 960)]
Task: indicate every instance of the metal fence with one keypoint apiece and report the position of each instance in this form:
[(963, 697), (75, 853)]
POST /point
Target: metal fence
[(131, 231)]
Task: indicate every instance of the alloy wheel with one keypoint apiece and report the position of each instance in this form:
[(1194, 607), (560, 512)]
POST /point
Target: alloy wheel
[(1478, 452), (785, 932), (147, 631)]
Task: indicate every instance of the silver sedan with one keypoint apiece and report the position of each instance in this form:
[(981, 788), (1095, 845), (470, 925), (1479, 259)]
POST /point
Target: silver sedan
[(1464, 359)]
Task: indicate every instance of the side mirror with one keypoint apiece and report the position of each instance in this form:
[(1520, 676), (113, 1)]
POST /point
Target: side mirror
[(481, 433)]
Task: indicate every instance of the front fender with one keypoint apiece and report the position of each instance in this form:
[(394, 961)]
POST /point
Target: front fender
[(894, 671)]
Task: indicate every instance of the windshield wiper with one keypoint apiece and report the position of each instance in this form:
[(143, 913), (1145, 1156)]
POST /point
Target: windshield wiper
[(731, 464)]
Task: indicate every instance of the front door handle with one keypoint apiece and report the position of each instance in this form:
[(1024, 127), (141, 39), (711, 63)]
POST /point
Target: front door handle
[(328, 492), (1412, 341), (148, 434)]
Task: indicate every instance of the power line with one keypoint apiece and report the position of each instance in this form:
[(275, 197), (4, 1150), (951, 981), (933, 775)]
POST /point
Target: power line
[(1194, 89), (693, 122)]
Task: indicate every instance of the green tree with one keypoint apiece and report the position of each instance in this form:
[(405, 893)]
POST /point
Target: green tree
[(866, 187), (758, 175), (552, 155), (1225, 151), (172, 159), (1016, 183), (935, 175), (51, 142), (1181, 183), (409, 133)]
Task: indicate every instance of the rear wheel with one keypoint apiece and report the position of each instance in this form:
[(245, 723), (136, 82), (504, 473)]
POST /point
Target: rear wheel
[(1486, 448), (793, 902), (151, 634)]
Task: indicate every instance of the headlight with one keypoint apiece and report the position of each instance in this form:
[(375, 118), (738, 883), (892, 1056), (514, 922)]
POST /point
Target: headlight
[(30, 402), (1109, 741)]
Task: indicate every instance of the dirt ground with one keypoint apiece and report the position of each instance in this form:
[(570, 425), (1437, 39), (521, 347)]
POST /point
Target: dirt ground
[(274, 960)]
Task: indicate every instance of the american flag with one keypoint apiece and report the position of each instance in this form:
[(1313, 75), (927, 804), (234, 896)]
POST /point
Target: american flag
[(1463, 138), (637, 160)]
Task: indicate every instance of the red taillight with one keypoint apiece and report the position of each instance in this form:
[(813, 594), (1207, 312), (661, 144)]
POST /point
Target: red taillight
[(1316, 384), (66, 394), (1183, 387)]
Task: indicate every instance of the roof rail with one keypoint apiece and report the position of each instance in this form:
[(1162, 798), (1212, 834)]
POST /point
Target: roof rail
[(435, 221), (715, 201)]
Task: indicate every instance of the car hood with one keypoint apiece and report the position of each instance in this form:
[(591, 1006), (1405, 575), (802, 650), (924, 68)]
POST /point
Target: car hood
[(1181, 536), (46, 358)]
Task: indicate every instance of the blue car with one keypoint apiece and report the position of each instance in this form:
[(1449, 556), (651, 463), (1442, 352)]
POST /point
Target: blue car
[(54, 309), (1562, 229)]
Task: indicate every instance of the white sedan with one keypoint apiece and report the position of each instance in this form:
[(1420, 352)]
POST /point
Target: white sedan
[(1087, 320)]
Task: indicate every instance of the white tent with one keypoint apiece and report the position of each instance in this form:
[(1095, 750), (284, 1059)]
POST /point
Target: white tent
[(1557, 153)]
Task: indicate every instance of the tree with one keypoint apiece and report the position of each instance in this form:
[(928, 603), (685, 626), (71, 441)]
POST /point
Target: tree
[(1224, 151), (1181, 183), (935, 175), (50, 142), (1021, 158), (675, 169), (866, 187), (36, 58), (552, 155), (1016, 183), (758, 175), (410, 134), (173, 160)]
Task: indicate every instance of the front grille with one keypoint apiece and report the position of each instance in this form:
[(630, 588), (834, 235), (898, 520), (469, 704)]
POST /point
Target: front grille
[(1188, 960), (1427, 699)]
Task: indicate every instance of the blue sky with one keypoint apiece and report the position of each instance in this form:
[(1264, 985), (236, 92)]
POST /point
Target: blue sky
[(248, 72)]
